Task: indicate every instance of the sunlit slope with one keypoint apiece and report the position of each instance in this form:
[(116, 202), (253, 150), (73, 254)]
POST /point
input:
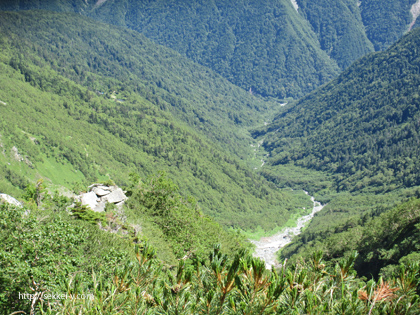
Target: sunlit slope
[(80, 48), (69, 133)]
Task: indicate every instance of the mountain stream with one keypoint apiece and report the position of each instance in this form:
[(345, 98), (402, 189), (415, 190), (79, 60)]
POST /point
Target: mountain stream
[(267, 247)]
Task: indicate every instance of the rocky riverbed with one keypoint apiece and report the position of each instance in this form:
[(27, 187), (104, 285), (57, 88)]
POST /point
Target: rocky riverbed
[(267, 247)]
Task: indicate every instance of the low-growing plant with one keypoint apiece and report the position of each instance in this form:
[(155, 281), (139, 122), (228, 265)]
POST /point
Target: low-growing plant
[(83, 212)]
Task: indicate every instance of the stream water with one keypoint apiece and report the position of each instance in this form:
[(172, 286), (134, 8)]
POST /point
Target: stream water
[(267, 247)]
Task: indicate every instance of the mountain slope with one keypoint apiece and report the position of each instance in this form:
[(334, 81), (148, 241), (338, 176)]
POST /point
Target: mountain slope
[(339, 27), (107, 276), (363, 126), (125, 123), (263, 46), (349, 29), (383, 242), (386, 21), (272, 47), (191, 92), (357, 140)]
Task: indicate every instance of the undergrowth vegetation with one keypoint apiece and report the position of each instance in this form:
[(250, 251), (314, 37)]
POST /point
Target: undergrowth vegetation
[(55, 263), (137, 283)]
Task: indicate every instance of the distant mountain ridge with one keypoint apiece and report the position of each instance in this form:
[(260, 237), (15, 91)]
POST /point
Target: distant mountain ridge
[(268, 46)]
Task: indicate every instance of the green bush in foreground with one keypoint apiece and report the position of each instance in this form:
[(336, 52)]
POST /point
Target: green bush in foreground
[(39, 249), (240, 285), (72, 267)]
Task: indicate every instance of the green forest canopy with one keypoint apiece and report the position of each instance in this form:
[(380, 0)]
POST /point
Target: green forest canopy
[(63, 116)]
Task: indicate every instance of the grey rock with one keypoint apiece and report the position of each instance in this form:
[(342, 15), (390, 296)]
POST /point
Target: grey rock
[(116, 196), (10, 200), (100, 206), (93, 186), (89, 199), (99, 195), (113, 188), (101, 191), (119, 205)]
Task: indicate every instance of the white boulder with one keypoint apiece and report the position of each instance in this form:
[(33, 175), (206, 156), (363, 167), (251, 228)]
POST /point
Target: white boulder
[(89, 199), (102, 190), (99, 195), (10, 200), (116, 196)]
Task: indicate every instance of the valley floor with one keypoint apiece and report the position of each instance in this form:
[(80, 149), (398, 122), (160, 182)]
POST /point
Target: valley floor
[(267, 247)]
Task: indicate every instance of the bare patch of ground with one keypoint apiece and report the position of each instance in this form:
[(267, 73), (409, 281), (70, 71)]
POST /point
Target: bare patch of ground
[(295, 5), (415, 12), (100, 2)]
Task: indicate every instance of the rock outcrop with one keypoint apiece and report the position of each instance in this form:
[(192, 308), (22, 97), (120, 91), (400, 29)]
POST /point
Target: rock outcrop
[(10, 200), (99, 195), (16, 156)]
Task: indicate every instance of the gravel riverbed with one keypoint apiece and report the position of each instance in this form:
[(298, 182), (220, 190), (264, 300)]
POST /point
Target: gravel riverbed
[(267, 247)]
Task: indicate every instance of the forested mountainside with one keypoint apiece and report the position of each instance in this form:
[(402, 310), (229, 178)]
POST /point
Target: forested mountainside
[(339, 27), (386, 21), (349, 29), (358, 139), (83, 102), (383, 242), (278, 48), (76, 107), (362, 126), (265, 47), (262, 46), (81, 48)]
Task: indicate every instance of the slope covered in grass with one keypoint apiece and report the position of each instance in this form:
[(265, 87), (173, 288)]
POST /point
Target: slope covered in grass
[(80, 49)]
